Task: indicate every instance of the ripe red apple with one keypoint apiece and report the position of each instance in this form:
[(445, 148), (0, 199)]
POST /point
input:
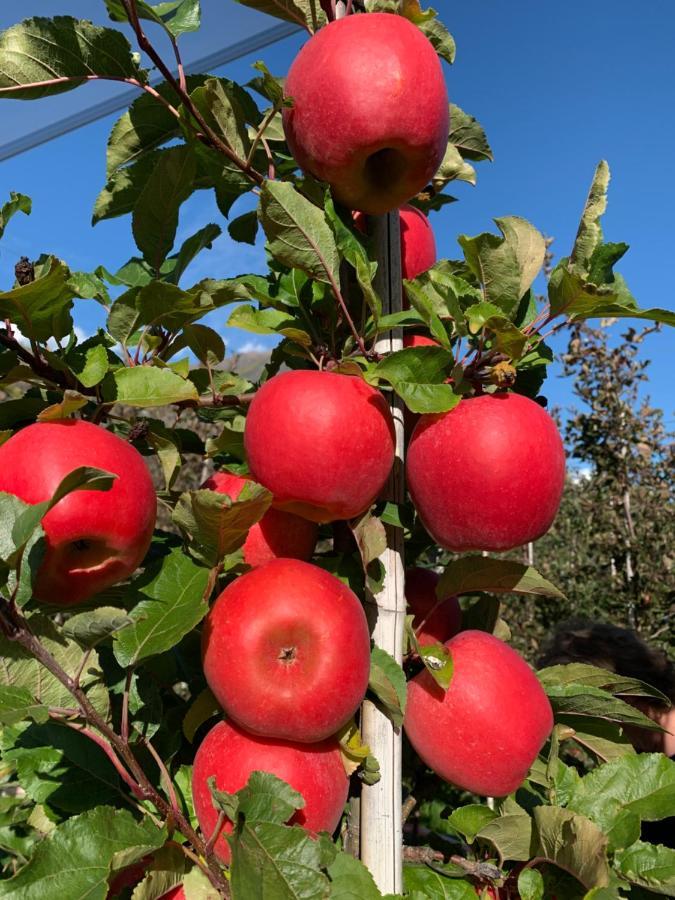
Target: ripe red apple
[(230, 755), (286, 651), (486, 730), (419, 340), (277, 534), (94, 538), (418, 245), (176, 893), (322, 443), (435, 621), (370, 110), (488, 475)]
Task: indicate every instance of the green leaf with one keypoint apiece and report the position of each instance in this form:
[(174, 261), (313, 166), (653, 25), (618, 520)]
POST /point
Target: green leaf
[(147, 386), (270, 860), (589, 235), (387, 682), (605, 739), (20, 669), (439, 36), (61, 768), (17, 704), (497, 576), (206, 344), (144, 127), (244, 228), (649, 866), (427, 398), (72, 401), (530, 885), (41, 308), (297, 232), (430, 884), (469, 820), (175, 604), (351, 880), (437, 658), (16, 203), (225, 115), (505, 266), (643, 784), (175, 16), (124, 187), (75, 860), (267, 798), (216, 524), (268, 321), (60, 54), (165, 870), (174, 267), (356, 255), (198, 887), (468, 136), (584, 700), (94, 366), (510, 834), (267, 85), (582, 673), (453, 168), (413, 365), (572, 842), (306, 13), (91, 627), (155, 217)]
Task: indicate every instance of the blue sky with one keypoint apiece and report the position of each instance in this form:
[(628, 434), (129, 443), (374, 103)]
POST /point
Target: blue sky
[(557, 88)]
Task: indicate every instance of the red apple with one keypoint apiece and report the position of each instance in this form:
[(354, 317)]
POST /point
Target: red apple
[(176, 893), (277, 534), (230, 755), (94, 538), (370, 110), (419, 340), (322, 443), (418, 245), (486, 730), (286, 651), (488, 475), (435, 621)]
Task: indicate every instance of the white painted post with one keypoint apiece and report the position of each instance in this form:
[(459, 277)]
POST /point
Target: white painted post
[(381, 826)]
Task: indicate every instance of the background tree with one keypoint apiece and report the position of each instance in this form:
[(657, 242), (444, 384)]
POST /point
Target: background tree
[(610, 548)]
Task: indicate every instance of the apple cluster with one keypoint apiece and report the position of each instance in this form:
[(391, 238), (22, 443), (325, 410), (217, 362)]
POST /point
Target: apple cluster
[(286, 646)]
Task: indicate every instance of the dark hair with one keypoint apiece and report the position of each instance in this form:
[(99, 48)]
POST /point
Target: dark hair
[(609, 647)]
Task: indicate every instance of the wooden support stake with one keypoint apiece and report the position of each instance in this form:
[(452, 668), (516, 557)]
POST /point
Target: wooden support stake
[(381, 826)]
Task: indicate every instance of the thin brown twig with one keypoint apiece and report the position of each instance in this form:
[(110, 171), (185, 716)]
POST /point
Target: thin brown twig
[(216, 141)]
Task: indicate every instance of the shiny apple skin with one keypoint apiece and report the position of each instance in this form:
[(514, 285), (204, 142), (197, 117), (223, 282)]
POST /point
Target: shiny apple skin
[(286, 651), (419, 340), (176, 893), (434, 622), (484, 733), (116, 525), (488, 475), (370, 113), (230, 755), (322, 443), (278, 534), (418, 244)]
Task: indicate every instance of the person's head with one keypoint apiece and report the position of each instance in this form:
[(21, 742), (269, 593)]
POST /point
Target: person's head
[(624, 652)]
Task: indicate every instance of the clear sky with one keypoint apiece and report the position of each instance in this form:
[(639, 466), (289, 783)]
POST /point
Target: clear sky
[(557, 88)]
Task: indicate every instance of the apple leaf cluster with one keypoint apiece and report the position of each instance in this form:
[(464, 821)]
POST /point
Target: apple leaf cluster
[(104, 702)]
